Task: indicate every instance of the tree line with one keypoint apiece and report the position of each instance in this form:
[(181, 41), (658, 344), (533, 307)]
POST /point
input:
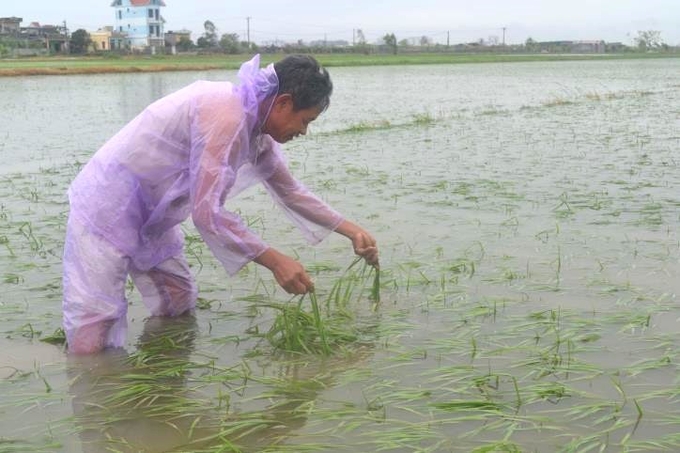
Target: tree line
[(211, 41)]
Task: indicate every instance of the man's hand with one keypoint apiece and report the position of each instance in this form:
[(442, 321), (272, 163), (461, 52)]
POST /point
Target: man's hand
[(289, 273), (363, 243)]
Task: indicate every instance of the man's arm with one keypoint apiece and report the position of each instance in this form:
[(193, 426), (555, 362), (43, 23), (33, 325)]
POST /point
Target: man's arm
[(297, 198)]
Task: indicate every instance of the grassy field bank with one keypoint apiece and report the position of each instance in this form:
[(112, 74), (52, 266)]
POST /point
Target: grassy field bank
[(96, 65)]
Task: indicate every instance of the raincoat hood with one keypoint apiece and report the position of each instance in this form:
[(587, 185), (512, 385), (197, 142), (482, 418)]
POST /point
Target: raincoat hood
[(257, 89)]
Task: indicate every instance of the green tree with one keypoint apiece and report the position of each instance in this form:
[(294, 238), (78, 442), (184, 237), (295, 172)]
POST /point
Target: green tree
[(4, 49), (361, 38), (649, 40), (229, 43), (209, 38), (361, 44), (531, 45), (80, 41), (391, 41), (185, 44)]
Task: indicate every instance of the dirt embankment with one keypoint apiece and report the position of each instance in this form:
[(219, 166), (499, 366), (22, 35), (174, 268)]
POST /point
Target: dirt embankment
[(65, 70)]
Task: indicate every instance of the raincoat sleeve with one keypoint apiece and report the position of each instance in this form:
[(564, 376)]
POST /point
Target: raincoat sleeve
[(218, 139), (311, 215)]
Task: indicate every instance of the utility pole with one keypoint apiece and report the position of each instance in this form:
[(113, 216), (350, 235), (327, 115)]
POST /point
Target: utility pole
[(448, 38), (353, 37), (248, 30), (504, 36)]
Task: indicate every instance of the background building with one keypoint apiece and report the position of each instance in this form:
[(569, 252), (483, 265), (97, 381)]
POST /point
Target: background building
[(173, 38), (55, 37), (141, 20), (106, 38), (10, 25)]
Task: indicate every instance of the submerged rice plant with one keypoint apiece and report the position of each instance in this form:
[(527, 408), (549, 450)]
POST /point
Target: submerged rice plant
[(322, 327)]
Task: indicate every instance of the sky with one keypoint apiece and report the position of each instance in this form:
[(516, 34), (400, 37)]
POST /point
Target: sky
[(441, 20)]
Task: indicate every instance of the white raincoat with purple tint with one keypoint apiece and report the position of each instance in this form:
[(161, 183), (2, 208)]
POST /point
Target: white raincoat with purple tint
[(185, 155)]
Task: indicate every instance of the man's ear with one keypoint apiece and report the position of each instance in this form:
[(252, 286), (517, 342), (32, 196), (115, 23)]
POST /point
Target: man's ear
[(283, 100)]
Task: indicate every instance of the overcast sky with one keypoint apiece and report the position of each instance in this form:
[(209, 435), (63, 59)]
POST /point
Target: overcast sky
[(459, 20)]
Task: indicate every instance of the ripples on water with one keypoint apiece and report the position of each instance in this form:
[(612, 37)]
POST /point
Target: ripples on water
[(527, 216)]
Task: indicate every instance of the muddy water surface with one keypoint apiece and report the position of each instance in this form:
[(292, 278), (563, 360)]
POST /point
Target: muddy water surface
[(527, 216)]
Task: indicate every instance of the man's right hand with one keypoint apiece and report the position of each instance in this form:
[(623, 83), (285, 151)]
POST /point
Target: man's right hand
[(289, 273)]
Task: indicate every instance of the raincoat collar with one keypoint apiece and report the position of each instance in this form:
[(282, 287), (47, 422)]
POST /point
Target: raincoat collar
[(255, 87)]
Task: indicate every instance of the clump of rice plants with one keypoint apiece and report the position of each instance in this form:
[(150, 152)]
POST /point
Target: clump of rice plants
[(327, 324), (57, 338)]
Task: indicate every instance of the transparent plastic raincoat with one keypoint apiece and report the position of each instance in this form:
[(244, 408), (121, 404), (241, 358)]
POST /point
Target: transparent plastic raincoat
[(184, 155)]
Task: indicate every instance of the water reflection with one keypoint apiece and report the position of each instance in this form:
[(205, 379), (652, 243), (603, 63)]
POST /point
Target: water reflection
[(157, 399), (137, 92), (135, 402)]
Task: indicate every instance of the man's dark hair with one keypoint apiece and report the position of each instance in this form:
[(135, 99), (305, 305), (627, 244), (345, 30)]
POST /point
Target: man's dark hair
[(305, 80)]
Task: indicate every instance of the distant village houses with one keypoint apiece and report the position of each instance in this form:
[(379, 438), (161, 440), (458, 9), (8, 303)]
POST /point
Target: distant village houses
[(589, 47), (36, 38), (595, 46), (139, 27)]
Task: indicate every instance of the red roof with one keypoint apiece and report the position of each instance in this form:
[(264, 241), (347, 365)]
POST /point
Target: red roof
[(144, 2), (137, 3)]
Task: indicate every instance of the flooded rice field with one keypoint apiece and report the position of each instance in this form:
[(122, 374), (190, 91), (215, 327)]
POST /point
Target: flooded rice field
[(527, 216)]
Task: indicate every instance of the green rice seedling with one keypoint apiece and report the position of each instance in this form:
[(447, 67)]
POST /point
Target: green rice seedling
[(194, 248), (553, 392), (563, 208), (364, 126), (27, 231), (470, 406), (56, 338), (319, 324), (666, 443), (299, 331), (497, 447), (558, 268), (366, 272), (8, 445), (421, 119), (649, 364), (320, 267), (13, 279), (28, 331), (557, 102), (602, 441), (4, 240), (491, 110), (293, 329), (375, 288), (403, 436)]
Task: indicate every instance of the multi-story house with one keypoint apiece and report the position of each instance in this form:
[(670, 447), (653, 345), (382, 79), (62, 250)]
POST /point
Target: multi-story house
[(10, 25), (142, 21), (54, 38)]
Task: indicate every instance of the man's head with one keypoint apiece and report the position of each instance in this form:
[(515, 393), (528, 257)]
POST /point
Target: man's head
[(304, 93)]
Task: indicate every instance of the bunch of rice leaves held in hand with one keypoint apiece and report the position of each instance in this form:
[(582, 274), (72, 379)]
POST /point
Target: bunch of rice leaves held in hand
[(329, 323)]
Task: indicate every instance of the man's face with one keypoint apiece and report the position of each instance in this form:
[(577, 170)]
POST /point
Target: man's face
[(285, 123)]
